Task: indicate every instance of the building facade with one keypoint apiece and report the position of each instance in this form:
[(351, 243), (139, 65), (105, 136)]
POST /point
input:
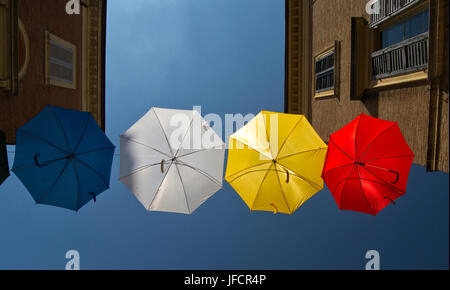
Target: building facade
[(391, 63), (50, 57)]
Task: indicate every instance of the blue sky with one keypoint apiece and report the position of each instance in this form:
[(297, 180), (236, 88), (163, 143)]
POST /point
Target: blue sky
[(228, 57)]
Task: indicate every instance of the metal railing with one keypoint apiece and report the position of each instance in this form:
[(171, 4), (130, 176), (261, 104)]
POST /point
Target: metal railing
[(404, 57), (384, 9)]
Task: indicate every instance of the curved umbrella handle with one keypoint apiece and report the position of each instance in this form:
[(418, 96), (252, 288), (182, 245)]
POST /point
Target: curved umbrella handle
[(36, 160), (48, 162), (275, 211), (94, 196), (397, 176)]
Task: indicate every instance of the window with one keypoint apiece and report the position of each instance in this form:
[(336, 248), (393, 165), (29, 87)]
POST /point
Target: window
[(8, 48), (404, 48), (407, 29), (60, 69), (326, 72)]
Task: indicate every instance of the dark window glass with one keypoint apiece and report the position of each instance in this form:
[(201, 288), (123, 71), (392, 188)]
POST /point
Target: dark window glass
[(416, 25), (392, 35), (409, 28)]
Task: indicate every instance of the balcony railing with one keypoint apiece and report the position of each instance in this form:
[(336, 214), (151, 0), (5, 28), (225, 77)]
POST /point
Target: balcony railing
[(385, 9), (404, 57)]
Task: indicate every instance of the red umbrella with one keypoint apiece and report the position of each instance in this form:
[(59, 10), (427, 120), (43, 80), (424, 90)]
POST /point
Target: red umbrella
[(367, 165)]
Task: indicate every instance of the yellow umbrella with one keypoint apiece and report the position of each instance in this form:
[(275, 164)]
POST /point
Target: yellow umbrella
[(275, 162)]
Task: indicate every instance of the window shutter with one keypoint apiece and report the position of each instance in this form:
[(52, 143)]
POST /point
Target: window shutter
[(8, 48), (60, 62), (60, 66), (360, 58)]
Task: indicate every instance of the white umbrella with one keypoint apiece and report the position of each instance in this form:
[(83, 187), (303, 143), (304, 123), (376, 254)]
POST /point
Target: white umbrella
[(171, 160)]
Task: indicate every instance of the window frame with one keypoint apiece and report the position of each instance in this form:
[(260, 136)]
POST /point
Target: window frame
[(53, 82), (9, 72), (330, 91)]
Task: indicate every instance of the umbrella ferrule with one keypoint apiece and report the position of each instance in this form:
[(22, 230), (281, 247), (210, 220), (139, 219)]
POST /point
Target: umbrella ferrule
[(94, 196), (388, 197)]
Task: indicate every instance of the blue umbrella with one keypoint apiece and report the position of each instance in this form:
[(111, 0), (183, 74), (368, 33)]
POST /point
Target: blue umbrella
[(63, 158), (4, 168)]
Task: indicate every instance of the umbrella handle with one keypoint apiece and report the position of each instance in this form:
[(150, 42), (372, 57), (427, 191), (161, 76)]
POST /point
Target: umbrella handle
[(48, 162), (287, 176), (162, 166), (93, 194), (37, 162), (397, 176), (275, 211)]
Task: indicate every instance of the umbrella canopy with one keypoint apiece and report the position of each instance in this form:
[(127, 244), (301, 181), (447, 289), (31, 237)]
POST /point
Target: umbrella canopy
[(4, 167), (171, 160), (275, 162), (367, 165), (63, 158)]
